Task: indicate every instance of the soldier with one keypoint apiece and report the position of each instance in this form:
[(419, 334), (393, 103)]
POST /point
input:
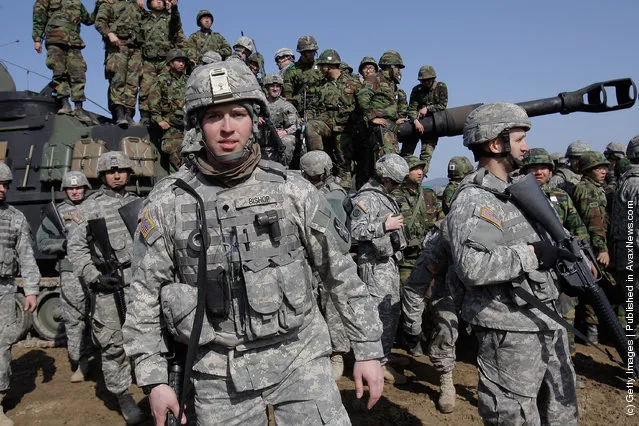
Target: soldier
[(256, 64), (282, 114), (614, 152), (270, 345), (367, 67), (558, 160), (378, 226), (16, 252), (204, 39), (166, 102), (330, 115), (160, 31), (107, 287), (58, 23), (73, 298), (284, 58), (458, 168), (426, 98), (525, 371), (303, 75), (566, 177), (118, 22)]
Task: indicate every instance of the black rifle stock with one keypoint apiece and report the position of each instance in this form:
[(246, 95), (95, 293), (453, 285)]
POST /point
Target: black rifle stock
[(577, 275), (129, 214), (176, 375), (51, 212)]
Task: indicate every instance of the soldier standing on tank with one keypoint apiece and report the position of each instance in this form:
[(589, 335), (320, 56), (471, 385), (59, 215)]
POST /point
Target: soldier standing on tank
[(58, 24), (16, 252), (458, 168), (525, 371), (566, 177), (378, 226), (265, 226), (282, 114), (166, 103), (284, 59), (428, 97), (73, 295), (330, 115), (114, 169), (367, 67), (205, 39), (303, 75)]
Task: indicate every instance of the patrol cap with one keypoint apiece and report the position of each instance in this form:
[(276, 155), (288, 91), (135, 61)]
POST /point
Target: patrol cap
[(273, 79), (306, 43), (391, 57), (246, 43), (316, 163), (632, 150), (328, 57), (114, 160), (615, 150), (74, 179), (201, 14), (426, 72), (458, 167), (284, 51), (5, 173), (367, 60), (577, 148), (487, 121), (413, 162), (592, 159), (392, 166), (537, 157)]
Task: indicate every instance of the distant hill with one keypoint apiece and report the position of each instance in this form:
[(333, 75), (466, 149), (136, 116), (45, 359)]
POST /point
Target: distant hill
[(435, 183)]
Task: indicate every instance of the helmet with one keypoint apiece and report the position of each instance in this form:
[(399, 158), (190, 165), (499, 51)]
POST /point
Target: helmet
[(114, 160), (211, 56), (176, 54), (367, 60), (329, 56), (458, 167), (486, 122), (537, 156), (591, 159), (391, 57), (316, 163), (425, 72), (5, 173), (284, 51), (558, 158), (344, 67), (202, 13), (273, 79), (392, 166), (577, 148), (413, 162), (74, 179), (305, 43), (258, 59), (245, 42), (632, 150), (615, 150)]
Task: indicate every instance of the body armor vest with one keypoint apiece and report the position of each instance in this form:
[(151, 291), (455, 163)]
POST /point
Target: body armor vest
[(67, 210), (9, 228)]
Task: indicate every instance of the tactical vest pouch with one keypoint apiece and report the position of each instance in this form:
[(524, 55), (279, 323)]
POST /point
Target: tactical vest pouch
[(3, 150), (56, 161), (179, 301), (383, 246), (140, 151), (8, 264), (85, 156)]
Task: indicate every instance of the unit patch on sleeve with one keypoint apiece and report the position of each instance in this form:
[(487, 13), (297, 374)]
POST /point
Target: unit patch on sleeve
[(490, 216)]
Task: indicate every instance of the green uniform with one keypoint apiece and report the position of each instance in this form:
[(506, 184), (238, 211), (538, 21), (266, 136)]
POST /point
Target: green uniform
[(447, 197), (204, 40), (299, 78)]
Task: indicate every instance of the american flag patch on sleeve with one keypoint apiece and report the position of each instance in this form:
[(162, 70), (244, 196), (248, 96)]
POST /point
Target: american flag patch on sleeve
[(490, 216), (146, 224)]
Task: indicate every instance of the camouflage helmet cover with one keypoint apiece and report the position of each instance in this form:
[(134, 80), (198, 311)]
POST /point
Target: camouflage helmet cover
[(592, 159), (632, 150), (367, 60), (392, 166), (615, 150), (413, 162), (273, 79), (329, 56), (537, 156), (5, 173), (284, 51), (246, 43), (459, 166), (114, 160), (391, 57), (74, 179), (426, 72), (201, 14), (486, 122), (577, 148), (176, 54), (316, 163), (211, 56), (346, 68), (307, 42)]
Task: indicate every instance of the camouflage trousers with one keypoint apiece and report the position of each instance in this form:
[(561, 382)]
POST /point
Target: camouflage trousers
[(73, 304), (69, 71), (416, 293), (567, 309), (426, 153), (339, 339), (171, 146), (9, 330), (525, 378), (289, 142), (122, 68), (443, 326), (148, 75), (375, 142), (337, 144), (307, 396), (382, 280)]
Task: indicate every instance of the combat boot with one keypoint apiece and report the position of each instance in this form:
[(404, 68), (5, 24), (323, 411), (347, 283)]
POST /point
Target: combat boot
[(337, 365), (593, 334), (4, 420), (120, 117), (447, 395), (80, 113), (129, 409), (128, 114), (66, 107), (81, 370), (392, 376), (145, 118)]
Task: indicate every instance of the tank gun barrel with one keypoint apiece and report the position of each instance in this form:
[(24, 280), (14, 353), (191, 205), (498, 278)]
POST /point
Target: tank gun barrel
[(592, 98)]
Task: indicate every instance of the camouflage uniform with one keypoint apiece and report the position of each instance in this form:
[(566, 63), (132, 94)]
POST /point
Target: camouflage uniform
[(301, 77), (58, 23), (284, 117), (458, 168), (566, 177), (204, 40)]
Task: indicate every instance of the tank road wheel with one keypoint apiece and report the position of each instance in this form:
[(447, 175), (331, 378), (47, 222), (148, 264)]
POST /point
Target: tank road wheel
[(24, 319), (48, 316)]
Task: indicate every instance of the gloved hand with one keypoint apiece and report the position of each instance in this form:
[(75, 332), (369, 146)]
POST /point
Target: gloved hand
[(106, 283), (547, 254)]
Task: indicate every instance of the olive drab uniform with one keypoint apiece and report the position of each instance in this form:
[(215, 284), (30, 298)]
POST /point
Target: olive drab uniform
[(73, 298), (16, 254), (299, 79), (447, 196), (203, 41), (263, 336), (106, 328)]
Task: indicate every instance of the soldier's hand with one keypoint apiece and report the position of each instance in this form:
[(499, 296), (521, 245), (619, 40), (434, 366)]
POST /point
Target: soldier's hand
[(141, 4), (113, 39), (371, 372), (547, 254), (594, 270), (380, 121), (394, 222), (164, 125), (162, 399), (281, 133), (260, 121), (422, 112), (37, 46), (30, 303), (401, 120), (604, 259), (418, 126)]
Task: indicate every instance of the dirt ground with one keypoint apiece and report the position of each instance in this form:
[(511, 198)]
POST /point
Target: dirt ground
[(41, 393)]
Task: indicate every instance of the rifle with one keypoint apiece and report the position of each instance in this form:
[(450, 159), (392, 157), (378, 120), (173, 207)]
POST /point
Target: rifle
[(51, 212), (176, 374), (303, 128), (129, 214), (111, 266), (576, 275)]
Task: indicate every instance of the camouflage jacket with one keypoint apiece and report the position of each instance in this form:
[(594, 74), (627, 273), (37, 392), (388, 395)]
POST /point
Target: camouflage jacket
[(283, 115), (621, 233), (58, 21), (447, 197), (161, 32), (202, 41), (50, 241), (435, 99), (166, 99), (420, 209), (564, 178), (334, 101), (568, 215), (590, 202), (296, 78), (380, 97), (121, 18)]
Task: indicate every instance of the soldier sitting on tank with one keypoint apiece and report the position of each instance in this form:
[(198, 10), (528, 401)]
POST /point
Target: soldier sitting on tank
[(282, 114), (284, 58), (73, 297), (367, 68), (458, 168), (205, 39), (566, 177), (243, 48), (16, 254), (256, 64)]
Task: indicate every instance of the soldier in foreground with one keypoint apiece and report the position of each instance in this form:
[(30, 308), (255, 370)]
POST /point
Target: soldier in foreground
[(73, 297), (16, 252), (262, 340), (525, 371)]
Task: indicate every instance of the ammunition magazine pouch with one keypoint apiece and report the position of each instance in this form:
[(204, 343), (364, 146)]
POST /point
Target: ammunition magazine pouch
[(178, 303), (8, 263)]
